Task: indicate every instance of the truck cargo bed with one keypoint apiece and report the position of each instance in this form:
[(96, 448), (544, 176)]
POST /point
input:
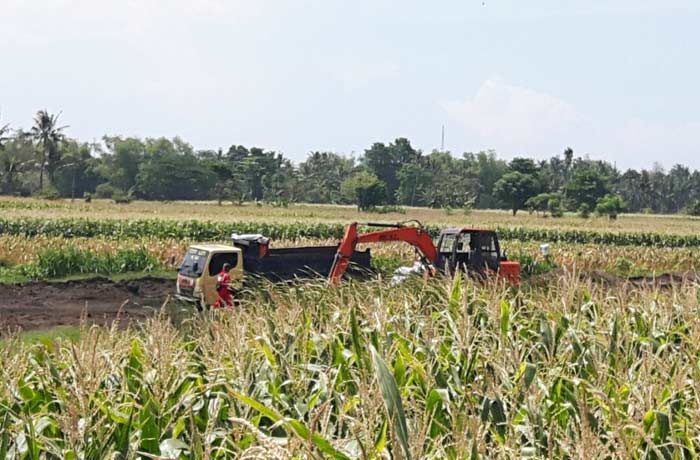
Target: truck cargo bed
[(305, 262)]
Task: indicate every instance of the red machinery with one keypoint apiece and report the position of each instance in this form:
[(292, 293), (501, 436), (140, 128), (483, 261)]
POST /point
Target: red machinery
[(473, 250)]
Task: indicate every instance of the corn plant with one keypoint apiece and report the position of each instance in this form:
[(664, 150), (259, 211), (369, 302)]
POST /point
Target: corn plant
[(447, 369)]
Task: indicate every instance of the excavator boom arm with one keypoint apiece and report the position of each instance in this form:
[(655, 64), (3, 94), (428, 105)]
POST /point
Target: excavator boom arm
[(417, 237)]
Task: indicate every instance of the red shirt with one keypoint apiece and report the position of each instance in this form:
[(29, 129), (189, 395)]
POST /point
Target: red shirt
[(224, 280)]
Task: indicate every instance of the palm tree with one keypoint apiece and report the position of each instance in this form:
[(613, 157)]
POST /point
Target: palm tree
[(48, 135), (3, 131), (15, 156)]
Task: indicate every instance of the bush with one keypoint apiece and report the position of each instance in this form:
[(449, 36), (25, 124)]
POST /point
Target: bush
[(387, 209), (584, 211), (50, 193), (693, 208), (121, 198), (624, 265), (546, 202), (611, 206), (556, 211), (105, 191)]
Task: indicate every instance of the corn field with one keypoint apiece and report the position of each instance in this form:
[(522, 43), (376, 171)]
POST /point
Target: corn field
[(562, 368), (439, 370), (211, 230)]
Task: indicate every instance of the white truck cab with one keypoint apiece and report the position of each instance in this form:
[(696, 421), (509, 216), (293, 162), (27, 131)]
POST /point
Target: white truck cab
[(196, 279)]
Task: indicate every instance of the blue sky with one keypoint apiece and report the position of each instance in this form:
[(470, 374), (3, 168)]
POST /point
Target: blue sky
[(616, 80)]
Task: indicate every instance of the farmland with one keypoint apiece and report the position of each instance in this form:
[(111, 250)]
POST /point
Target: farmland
[(577, 363), (312, 213)]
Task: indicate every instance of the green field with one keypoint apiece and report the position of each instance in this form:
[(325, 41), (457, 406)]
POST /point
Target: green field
[(563, 367)]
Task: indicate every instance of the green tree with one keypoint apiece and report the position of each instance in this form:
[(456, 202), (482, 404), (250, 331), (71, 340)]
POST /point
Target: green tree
[(174, 176), (48, 136), (546, 202), (693, 208), (322, 174), (415, 183), (611, 206), (364, 189), (586, 186), (514, 189), (260, 170), (16, 159), (628, 186), (121, 162), (523, 165), (385, 161), (4, 131), (488, 170), (77, 173)]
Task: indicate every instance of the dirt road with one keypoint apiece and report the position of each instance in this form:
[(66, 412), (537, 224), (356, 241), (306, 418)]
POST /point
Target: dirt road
[(42, 305)]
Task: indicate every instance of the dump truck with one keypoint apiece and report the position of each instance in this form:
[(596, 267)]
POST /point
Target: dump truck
[(471, 250), (251, 258)]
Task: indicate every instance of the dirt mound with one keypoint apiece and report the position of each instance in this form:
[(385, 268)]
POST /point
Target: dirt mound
[(43, 305)]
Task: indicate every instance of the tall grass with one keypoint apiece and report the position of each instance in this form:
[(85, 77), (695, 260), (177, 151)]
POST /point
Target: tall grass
[(458, 371), (73, 260)]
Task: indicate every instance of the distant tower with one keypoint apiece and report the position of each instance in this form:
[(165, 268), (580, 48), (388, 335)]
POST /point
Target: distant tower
[(442, 141)]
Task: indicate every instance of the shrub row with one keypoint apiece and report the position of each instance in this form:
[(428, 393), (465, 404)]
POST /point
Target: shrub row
[(210, 230)]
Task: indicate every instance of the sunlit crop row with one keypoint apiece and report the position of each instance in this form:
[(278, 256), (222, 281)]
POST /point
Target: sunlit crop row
[(208, 230), (168, 252)]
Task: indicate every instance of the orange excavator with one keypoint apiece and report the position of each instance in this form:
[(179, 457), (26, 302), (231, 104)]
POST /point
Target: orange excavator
[(471, 250)]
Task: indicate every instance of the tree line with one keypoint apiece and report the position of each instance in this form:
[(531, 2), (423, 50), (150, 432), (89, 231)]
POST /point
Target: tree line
[(44, 161)]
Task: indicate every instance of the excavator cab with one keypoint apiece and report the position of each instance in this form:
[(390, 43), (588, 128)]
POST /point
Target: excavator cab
[(469, 250)]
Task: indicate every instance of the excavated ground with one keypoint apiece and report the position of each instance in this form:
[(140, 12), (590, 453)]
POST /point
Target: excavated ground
[(44, 305)]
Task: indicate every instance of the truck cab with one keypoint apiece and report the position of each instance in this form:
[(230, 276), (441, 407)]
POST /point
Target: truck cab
[(476, 251), (196, 278)]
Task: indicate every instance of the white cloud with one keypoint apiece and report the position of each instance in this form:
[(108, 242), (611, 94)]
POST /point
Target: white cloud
[(513, 117), (520, 121)]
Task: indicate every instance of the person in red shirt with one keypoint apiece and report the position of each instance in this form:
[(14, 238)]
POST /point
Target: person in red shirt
[(223, 283)]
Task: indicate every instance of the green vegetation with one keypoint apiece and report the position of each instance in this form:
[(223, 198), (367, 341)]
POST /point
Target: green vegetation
[(460, 371), (365, 189), (211, 230), (393, 173), (611, 206), (60, 334), (71, 260)]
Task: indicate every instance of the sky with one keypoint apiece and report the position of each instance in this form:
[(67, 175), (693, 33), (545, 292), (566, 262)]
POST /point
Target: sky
[(614, 80)]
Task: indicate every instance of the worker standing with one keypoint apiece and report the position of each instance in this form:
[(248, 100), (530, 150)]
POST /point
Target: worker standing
[(223, 285)]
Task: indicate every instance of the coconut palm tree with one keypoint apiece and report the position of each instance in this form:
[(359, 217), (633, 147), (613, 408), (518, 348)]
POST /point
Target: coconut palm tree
[(16, 156), (4, 130), (48, 135)]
